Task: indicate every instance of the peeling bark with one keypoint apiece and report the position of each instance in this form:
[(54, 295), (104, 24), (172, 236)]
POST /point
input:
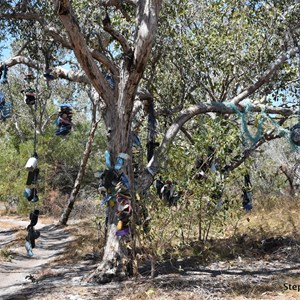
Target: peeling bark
[(82, 51), (118, 118), (115, 255)]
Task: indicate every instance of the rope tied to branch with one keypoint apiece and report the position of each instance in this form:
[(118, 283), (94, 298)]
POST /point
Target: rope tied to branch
[(249, 139)]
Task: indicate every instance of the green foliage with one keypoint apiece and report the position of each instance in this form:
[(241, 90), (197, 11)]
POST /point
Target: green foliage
[(59, 158), (214, 50), (205, 205), (58, 161), (10, 171)]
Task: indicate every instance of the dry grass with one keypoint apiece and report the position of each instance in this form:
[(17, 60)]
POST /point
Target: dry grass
[(5, 225), (268, 220), (88, 241), (156, 294), (273, 218), (5, 255), (281, 219), (271, 288)]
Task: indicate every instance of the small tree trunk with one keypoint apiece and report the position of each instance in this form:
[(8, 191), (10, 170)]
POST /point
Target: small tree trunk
[(153, 262), (290, 177), (86, 155)]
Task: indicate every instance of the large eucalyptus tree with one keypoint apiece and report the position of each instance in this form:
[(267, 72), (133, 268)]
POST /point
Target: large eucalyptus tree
[(204, 53)]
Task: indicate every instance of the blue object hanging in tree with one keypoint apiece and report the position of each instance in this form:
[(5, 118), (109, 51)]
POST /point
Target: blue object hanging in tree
[(4, 70)]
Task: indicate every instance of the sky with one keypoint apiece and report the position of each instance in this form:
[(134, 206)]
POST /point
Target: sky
[(5, 53)]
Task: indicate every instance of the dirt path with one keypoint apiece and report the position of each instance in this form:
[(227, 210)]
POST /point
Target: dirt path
[(251, 278), (49, 246)]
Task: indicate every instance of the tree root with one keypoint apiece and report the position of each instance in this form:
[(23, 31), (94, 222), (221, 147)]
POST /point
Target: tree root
[(106, 272)]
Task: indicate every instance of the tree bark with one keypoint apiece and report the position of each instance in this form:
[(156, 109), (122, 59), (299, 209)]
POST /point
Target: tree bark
[(112, 266), (118, 118)]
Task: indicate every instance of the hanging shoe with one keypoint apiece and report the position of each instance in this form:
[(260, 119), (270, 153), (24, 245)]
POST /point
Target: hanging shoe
[(125, 181), (29, 97), (35, 199), (106, 200), (63, 130), (32, 176), (124, 194), (29, 77), (295, 134), (36, 234), (119, 225), (102, 190), (31, 164), (6, 110), (109, 179), (28, 248), (123, 232), (136, 141), (31, 194), (4, 74), (121, 160), (2, 99), (48, 75), (107, 158), (120, 188), (33, 216), (110, 81), (27, 193), (124, 205)]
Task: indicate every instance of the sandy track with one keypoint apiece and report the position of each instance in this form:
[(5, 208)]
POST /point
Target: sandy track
[(49, 246), (238, 279)]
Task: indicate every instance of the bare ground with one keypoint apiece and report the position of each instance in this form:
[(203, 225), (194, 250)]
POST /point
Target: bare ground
[(47, 276)]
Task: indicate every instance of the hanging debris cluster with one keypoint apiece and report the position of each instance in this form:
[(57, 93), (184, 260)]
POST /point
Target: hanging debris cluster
[(64, 120), (30, 192), (295, 134), (5, 106), (32, 234), (115, 190)]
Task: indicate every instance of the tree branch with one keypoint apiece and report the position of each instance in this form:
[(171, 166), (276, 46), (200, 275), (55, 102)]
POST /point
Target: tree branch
[(117, 36), (188, 136), (147, 176), (118, 2), (22, 16), (57, 37), (22, 48), (56, 72), (268, 136), (106, 62), (95, 53), (52, 31), (201, 108), (265, 77), (81, 51), (148, 13)]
